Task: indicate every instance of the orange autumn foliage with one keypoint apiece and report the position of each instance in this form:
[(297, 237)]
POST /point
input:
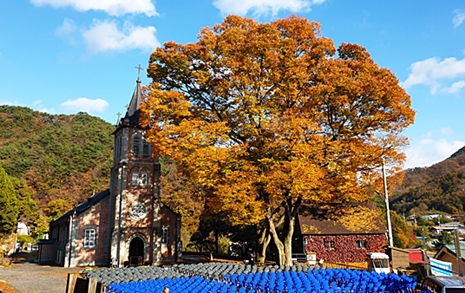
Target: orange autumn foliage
[(266, 116), (358, 218)]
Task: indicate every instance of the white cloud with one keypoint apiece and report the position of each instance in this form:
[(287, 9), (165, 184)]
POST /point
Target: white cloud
[(105, 36), (428, 152), (37, 106), (263, 7), (46, 110), (111, 7), (455, 87), (459, 17), (447, 130), (11, 103), (434, 72), (85, 105), (66, 30), (37, 103)]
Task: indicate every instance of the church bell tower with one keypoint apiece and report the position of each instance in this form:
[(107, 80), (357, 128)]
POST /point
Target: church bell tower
[(135, 192)]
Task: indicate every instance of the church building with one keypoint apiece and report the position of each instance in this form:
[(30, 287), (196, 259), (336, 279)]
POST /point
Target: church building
[(126, 224)]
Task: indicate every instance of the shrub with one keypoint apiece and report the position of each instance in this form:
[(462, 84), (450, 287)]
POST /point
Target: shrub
[(6, 262)]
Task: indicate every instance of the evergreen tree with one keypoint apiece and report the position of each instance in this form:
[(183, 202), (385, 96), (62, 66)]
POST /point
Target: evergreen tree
[(28, 209), (443, 239), (9, 208)]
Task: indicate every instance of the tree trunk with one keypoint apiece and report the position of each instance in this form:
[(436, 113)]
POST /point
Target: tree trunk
[(285, 247), (217, 246), (263, 241), (288, 241), (277, 241)]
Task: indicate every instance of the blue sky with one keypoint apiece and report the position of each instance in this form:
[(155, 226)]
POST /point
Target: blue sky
[(66, 56)]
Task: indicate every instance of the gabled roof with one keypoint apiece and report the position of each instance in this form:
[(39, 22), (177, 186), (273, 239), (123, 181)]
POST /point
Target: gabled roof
[(164, 206), (338, 218), (451, 249), (83, 206)]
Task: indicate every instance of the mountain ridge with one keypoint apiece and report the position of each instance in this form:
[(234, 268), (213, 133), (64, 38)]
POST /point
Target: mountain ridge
[(439, 187), (60, 157)]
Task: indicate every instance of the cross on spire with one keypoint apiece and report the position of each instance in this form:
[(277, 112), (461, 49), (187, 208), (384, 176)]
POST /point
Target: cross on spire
[(119, 118), (139, 69)]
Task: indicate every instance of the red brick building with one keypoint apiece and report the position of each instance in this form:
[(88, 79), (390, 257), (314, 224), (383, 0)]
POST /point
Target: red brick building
[(340, 233), (127, 222)]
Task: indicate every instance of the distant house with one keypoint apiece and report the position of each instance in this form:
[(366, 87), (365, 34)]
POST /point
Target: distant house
[(448, 254), (431, 216), (455, 217), (126, 224), (22, 229), (403, 258), (448, 227), (340, 233)]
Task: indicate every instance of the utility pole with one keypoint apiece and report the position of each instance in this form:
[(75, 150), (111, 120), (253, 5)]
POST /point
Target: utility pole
[(458, 253), (386, 199), (423, 252)]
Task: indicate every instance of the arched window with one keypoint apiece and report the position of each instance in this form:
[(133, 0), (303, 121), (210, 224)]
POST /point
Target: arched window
[(165, 235), (143, 179), (145, 149), (135, 176), (139, 178), (120, 148), (117, 151), (136, 145)]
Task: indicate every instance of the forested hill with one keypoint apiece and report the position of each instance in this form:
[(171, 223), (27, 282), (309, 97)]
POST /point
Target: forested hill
[(62, 158), (440, 187)]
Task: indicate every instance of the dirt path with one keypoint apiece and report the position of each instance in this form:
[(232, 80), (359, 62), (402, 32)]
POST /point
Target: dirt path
[(25, 276)]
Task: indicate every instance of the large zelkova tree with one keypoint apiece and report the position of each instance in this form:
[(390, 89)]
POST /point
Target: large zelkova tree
[(265, 117)]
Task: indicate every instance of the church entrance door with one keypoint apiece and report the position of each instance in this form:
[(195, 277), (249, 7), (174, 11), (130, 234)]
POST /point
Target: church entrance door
[(136, 252)]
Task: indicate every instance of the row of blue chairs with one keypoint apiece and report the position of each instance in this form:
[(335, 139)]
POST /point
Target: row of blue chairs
[(320, 281), (207, 270), (326, 280)]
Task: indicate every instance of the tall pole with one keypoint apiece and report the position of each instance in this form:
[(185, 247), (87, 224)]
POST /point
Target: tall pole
[(70, 238), (424, 256), (458, 253), (121, 178), (388, 216)]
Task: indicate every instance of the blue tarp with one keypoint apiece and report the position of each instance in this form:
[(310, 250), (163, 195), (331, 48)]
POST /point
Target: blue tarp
[(440, 268)]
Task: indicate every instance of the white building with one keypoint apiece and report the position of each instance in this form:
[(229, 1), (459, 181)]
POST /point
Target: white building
[(22, 229)]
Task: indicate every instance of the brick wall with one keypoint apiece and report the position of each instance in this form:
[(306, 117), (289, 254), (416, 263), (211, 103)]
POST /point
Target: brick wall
[(168, 219), (95, 217), (344, 247)]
